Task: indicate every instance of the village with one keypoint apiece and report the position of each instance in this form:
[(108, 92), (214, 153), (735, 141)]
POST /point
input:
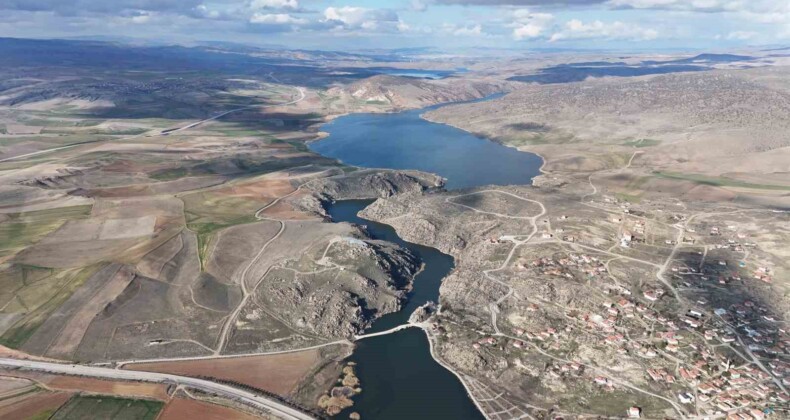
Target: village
[(706, 349)]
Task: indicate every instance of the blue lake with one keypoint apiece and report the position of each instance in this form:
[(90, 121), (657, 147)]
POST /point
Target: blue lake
[(406, 141), (399, 378)]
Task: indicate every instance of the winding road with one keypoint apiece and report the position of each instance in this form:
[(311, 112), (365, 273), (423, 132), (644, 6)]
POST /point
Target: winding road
[(243, 276), (246, 397)]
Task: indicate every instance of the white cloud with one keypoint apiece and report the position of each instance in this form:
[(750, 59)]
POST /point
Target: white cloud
[(419, 5), (204, 12), (712, 6), (475, 30), (576, 29), (467, 30), (528, 25), (527, 31), (694, 5), (274, 4), (141, 18), (361, 18), (742, 35), (276, 19), (348, 15)]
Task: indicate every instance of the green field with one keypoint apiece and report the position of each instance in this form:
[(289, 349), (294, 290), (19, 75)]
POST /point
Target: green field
[(628, 197), (643, 143), (720, 181), (37, 292), (21, 230), (534, 139), (106, 408), (207, 213), (44, 415)]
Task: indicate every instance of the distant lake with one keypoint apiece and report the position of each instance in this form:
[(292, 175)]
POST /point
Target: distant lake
[(571, 73), (405, 141), (364, 72), (417, 73)]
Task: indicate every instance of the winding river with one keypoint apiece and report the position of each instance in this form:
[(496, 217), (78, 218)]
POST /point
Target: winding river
[(400, 379)]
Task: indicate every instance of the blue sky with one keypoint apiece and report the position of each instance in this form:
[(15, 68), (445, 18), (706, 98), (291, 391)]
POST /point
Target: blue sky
[(349, 24)]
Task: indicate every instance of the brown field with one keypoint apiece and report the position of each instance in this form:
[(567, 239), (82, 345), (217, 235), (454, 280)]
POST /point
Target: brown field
[(71, 335), (29, 405), (73, 384), (10, 386), (279, 373), (284, 211), (152, 264), (117, 388), (17, 354), (272, 188), (106, 234), (235, 246), (75, 254), (159, 188), (167, 210), (182, 409)]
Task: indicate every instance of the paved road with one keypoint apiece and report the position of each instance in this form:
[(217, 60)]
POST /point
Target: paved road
[(218, 116), (246, 397)]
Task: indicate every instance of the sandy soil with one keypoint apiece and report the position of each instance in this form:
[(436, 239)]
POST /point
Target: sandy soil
[(70, 337), (285, 211), (23, 129), (29, 405), (267, 188), (279, 373), (183, 409), (234, 247), (124, 389), (152, 264), (10, 385), (73, 384)]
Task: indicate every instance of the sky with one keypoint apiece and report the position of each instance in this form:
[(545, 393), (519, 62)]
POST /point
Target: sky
[(365, 24)]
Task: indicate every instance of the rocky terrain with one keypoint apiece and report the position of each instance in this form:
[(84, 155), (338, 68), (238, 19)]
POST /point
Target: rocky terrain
[(373, 279), (177, 214), (407, 93), (728, 126), (542, 302), (366, 183)]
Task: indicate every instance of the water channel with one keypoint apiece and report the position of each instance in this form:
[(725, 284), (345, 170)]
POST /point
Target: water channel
[(399, 378)]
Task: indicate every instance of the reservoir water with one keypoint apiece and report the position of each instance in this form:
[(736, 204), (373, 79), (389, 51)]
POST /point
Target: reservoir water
[(405, 141), (399, 378)]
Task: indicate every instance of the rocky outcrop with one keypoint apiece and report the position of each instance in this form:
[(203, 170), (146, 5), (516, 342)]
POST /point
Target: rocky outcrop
[(372, 281), (372, 183), (406, 92)]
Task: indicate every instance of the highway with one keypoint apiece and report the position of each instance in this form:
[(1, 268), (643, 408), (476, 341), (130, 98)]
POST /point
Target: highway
[(246, 397), (218, 116), (162, 133)]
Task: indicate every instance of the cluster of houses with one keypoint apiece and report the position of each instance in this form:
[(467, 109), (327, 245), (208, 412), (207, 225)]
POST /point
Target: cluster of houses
[(562, 267), (698, 373), (572, 369)]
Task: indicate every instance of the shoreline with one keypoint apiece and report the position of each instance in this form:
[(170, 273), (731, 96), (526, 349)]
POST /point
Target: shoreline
[(453, 371), (429, 337), (486, 138), (321, 135)]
